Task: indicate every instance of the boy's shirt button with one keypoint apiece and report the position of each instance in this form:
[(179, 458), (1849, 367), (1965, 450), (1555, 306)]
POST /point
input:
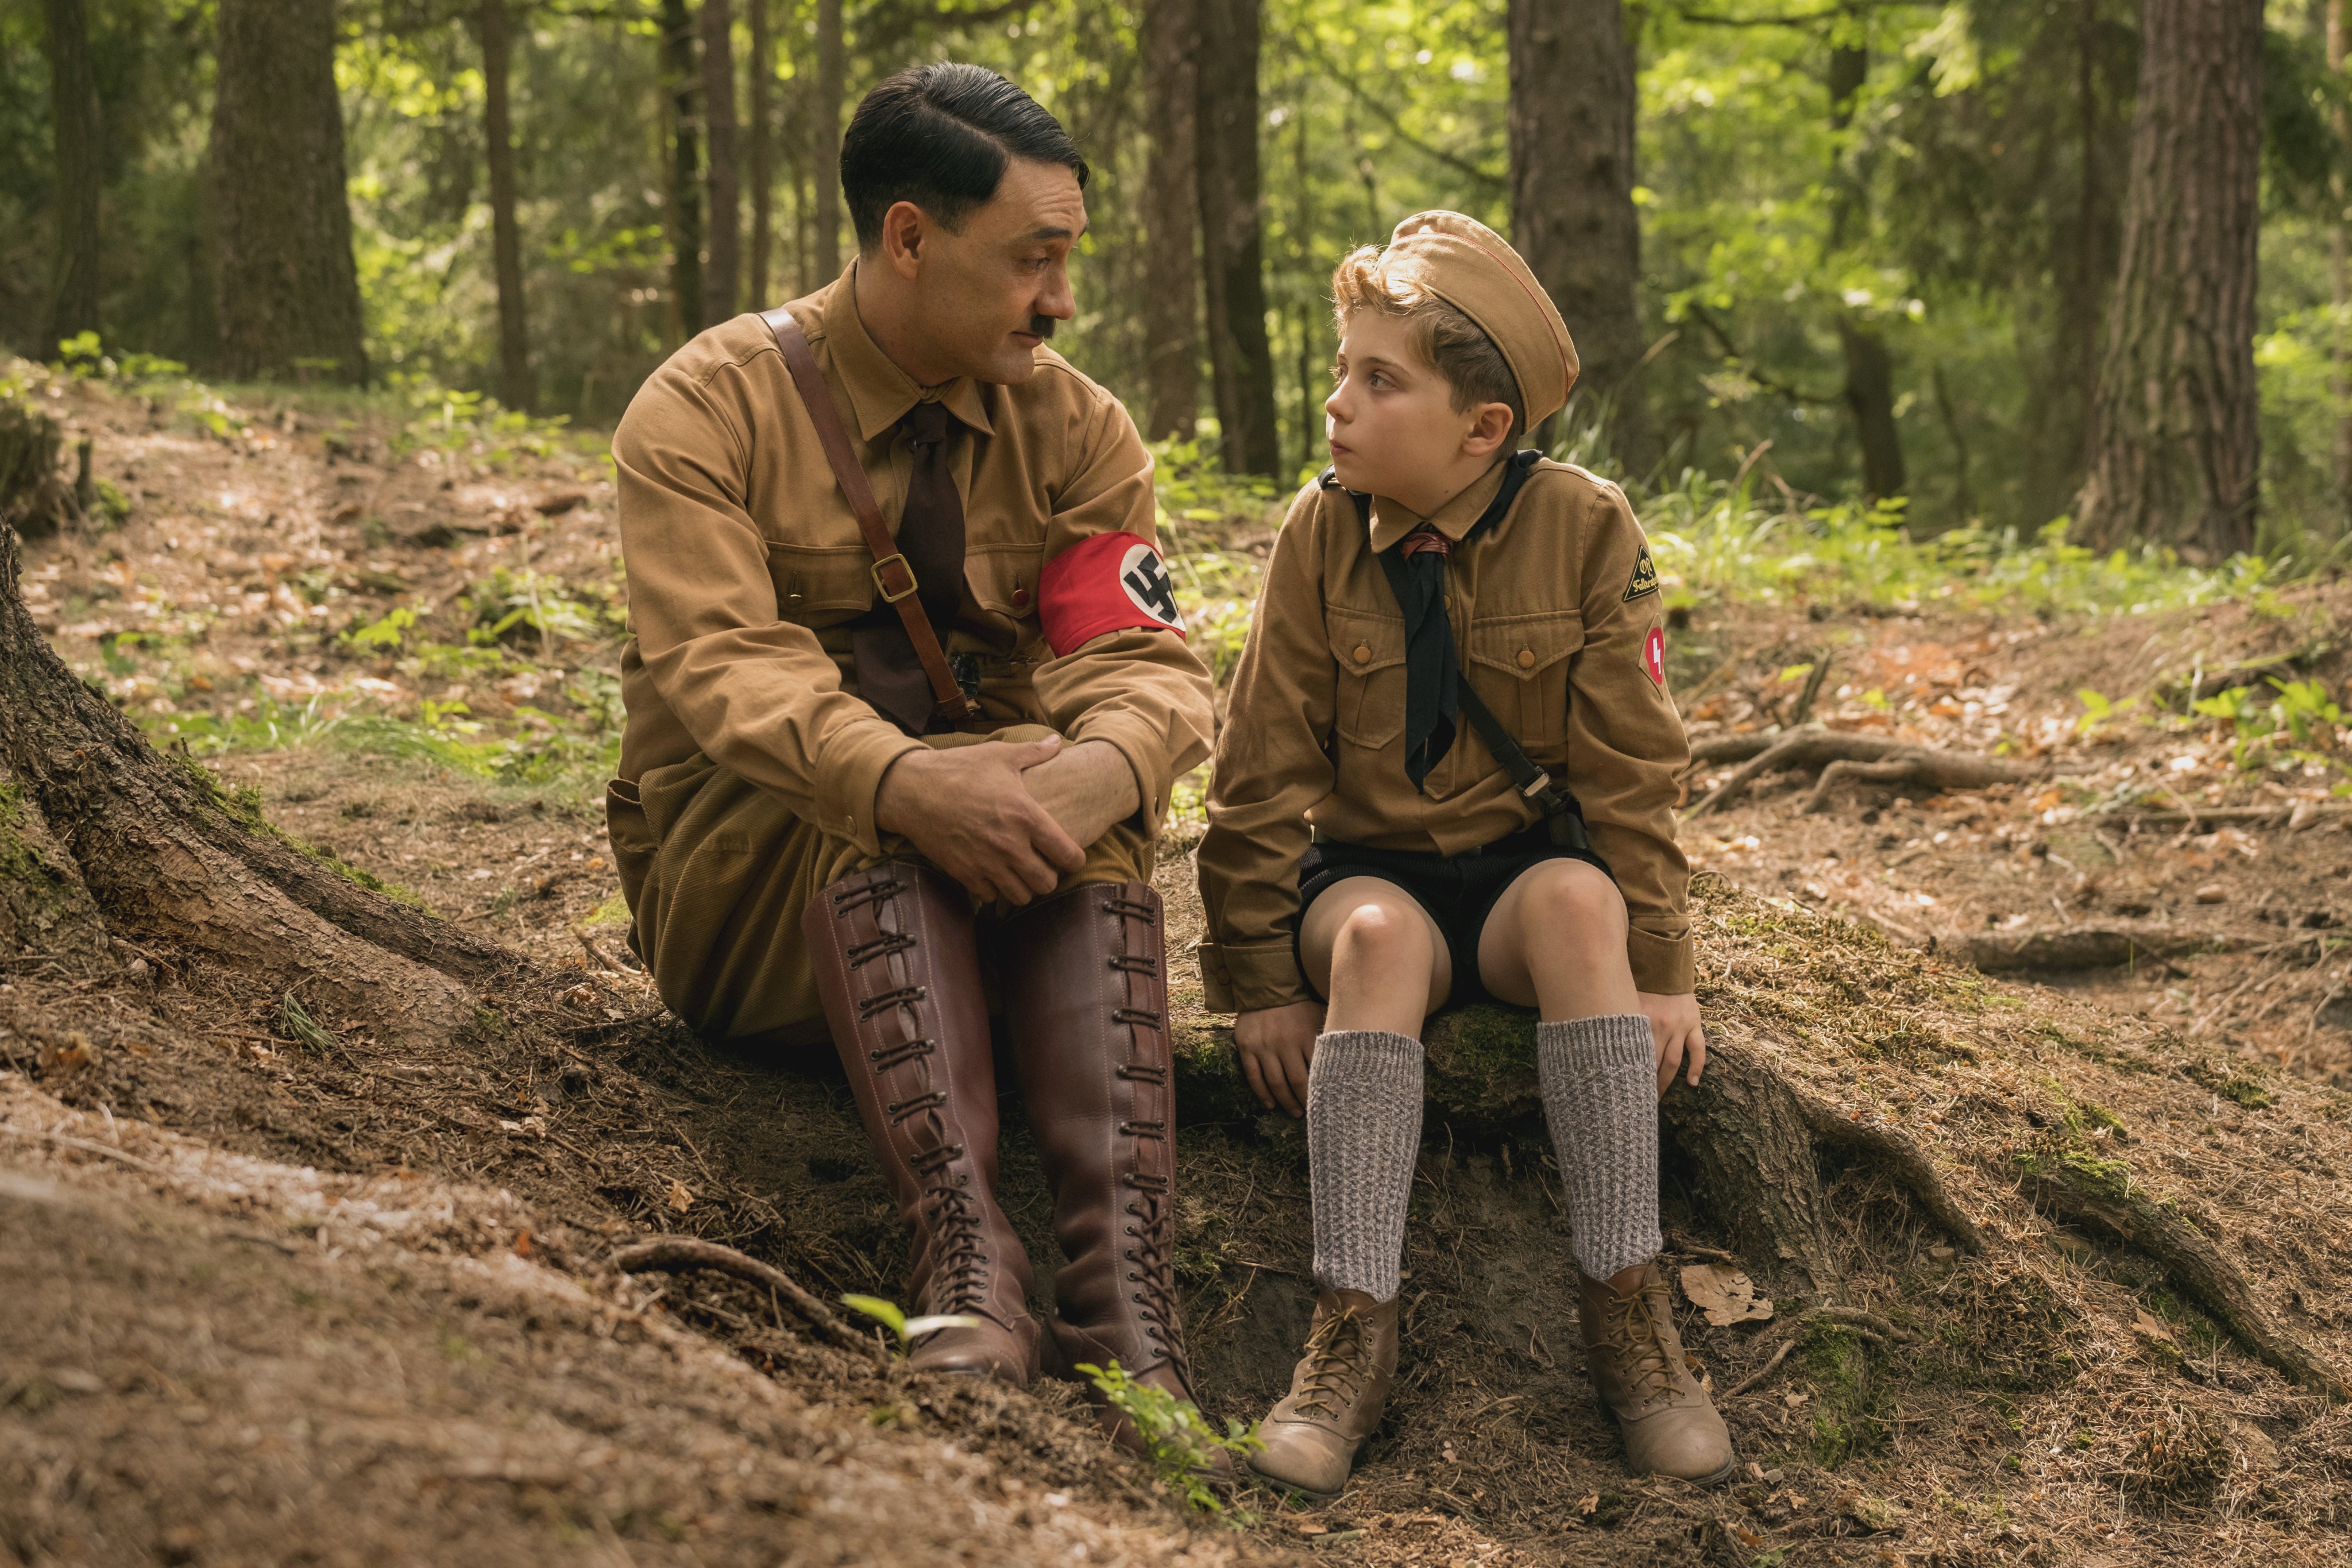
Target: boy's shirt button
[(1363, 654), (1526, 659)]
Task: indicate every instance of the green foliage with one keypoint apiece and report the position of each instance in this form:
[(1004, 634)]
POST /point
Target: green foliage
[(1182, 1445), (2295, 729), (906, 1329), (519, 605)]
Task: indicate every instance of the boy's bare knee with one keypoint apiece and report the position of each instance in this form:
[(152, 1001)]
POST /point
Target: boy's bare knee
[(1574, 895), (1380, 934)]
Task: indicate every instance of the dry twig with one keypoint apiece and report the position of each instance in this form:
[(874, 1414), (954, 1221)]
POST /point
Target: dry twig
[(679, 1255)]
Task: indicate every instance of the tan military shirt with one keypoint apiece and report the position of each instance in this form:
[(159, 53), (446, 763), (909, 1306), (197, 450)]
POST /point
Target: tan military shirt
[(745, 563), (1556, 619)]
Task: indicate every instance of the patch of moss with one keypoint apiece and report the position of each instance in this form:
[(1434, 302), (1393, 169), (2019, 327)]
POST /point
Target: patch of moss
[(2230, 1086), (1849, 1408)]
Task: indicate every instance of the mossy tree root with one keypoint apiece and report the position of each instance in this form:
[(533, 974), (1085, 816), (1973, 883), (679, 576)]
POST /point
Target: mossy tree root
[(2081, 1189), (1838, 756), (168, 861)]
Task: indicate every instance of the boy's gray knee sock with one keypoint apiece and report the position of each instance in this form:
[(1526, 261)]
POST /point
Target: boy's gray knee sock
[(1600, 1079), (1363, 1131)]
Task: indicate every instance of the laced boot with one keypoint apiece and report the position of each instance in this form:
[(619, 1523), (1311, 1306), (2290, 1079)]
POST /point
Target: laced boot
[(898, 968), (1635, 1358), (1337, 1394), (1085, 984)]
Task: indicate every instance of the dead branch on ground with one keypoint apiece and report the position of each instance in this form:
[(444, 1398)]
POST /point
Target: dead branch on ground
[(679, 1255)]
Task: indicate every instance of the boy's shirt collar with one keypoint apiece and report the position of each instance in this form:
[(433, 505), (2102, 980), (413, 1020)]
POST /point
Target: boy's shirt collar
[(1392, 520)]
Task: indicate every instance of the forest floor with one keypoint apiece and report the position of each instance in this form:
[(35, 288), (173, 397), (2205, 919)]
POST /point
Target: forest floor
[(286, 1304)]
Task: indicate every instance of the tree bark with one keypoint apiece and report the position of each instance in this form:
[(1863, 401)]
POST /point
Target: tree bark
[(723, 280), (170, 861), (2339, 273), (759, 152), (1241, 360), (491, 27), (2176, 445), (825, 116), (1869, 368), (286, 287), (1171, 217), (73, 103), (678, 73), (1573, 108)]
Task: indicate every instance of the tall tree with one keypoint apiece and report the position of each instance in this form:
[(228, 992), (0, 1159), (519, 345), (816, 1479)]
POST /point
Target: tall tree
[(825, 146), (760, 132), (1241, 360), (1171, 217), (722, 282), (1573, 101), (492, 29), (1869, 368), (73, 102), (679, 73), (286, 287), (2339, 265), (2176, 447)]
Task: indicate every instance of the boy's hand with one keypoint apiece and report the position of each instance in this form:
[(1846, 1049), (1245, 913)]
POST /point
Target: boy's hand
[(1276, 1046), (1673, 1024)]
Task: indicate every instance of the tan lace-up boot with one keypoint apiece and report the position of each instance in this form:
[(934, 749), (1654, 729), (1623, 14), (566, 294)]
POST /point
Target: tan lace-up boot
[(1636, 1360), (1337, 1394)]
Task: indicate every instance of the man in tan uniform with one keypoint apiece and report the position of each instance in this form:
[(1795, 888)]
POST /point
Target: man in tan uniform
[(1447, 772), (814, 836)]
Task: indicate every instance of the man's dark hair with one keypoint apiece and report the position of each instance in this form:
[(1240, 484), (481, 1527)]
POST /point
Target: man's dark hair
[(941, 136)]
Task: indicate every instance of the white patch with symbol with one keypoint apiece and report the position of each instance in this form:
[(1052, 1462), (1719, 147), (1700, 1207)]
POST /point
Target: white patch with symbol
[(1145, 577)]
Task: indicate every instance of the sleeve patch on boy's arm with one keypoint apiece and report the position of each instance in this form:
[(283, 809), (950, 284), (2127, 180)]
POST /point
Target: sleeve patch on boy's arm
[(1108, 583), (1654, 657), (1644, 579)]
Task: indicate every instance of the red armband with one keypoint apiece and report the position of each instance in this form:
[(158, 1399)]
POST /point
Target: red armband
[(1108, 583)]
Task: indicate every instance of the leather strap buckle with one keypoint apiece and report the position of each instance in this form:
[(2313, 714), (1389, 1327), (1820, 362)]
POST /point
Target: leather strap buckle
[(898, 560)]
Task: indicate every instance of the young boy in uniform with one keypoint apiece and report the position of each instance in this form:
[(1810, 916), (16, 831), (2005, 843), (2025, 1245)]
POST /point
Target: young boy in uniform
[(1453, 638)]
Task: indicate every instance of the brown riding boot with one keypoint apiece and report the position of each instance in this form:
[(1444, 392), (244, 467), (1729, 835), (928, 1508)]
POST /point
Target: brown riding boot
[(898, 967), (1635, 1358), (1337, 1394), (1085, 1000)]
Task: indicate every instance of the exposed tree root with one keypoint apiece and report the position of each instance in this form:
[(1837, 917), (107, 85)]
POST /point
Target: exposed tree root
[(2079, 1188), (1840, 756), (680, 1255), (1903, 1160), (2080, 947)]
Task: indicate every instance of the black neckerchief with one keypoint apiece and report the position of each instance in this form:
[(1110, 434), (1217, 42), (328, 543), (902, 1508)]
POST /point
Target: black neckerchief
[(1415, 568)]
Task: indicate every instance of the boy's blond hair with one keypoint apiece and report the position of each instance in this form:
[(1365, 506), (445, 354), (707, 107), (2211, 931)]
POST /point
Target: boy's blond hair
[(1457, 347)]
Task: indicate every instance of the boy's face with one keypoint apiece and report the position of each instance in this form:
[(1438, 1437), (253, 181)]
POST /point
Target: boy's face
[(1393, 428)]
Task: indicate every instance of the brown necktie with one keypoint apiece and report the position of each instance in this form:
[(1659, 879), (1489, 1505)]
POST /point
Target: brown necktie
[(930, 535)]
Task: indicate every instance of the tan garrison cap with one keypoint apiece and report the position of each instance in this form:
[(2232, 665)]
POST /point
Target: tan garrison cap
[(1475, 270)]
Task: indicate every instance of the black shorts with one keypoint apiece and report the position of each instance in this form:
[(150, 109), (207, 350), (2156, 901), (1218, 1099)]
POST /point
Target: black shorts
[(1458, 890)]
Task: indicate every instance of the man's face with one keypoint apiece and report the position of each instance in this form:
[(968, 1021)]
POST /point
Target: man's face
[(991, 289)]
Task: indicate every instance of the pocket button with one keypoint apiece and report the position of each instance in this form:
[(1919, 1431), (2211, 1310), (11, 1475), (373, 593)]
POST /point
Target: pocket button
[(1363, 654), (1526, 659)]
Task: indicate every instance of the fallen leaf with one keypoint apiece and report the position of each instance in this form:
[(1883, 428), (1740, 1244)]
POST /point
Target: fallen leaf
[(1725, 1294), (679, 1198), (2212, 894), (1941, 1254), (1587, 1503), (2153, 1329)]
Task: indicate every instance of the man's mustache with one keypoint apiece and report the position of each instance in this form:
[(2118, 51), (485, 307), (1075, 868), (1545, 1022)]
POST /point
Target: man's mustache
[(1042, 326)]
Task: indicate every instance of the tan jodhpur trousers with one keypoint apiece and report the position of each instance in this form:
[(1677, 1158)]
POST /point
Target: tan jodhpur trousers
[(716, 870)]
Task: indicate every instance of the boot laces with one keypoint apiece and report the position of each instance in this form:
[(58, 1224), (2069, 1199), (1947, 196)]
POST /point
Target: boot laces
[(1154, 1272), (1338, 1363), (960, 1275), (1630, 1324)]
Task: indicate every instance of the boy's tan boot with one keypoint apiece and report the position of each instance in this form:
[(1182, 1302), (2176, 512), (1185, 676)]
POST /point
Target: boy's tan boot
[(1337, 1394), (1636, 1360)]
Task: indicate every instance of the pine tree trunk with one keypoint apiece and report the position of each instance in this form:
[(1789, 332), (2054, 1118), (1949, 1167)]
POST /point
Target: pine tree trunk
[(679, 74), (174, 865), (1171, 219), (286, 287), (2339, 273), (722, 282), (1869, 368), (1572, 124), (2176, 447), (1241, 360), (73, 102), (825, 146), (759, 154), (492, 25)]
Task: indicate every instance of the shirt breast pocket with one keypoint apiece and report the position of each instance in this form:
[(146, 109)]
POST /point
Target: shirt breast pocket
[(1368, 649), (1519, 663), (820, 585)]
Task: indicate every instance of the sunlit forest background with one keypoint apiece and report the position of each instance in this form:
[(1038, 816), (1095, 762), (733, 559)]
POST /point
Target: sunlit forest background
[(1877, 244)]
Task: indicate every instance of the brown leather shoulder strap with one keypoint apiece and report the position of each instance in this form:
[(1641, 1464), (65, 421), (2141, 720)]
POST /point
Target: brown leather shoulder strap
[(892, 576)]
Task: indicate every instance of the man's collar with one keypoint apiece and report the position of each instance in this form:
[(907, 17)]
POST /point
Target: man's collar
[(879, 392), (1391, 521)]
